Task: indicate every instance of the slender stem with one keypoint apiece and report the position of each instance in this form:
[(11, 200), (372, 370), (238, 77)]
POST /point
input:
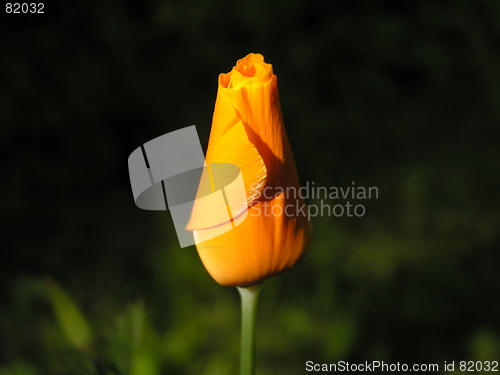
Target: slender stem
[(249, 296)]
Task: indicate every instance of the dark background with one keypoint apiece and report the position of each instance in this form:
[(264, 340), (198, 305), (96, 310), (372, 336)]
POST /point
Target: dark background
[(402, 95)]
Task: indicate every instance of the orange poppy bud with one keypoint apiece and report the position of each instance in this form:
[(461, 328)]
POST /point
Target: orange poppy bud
[(247, 131)]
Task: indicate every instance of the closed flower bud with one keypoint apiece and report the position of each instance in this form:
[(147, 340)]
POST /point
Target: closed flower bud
[(248, 131)]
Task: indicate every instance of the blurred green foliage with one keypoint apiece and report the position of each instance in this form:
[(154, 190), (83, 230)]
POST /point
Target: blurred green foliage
[(399, 95)]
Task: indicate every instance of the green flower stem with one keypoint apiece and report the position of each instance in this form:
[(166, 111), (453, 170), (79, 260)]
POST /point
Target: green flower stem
[(249, 297)]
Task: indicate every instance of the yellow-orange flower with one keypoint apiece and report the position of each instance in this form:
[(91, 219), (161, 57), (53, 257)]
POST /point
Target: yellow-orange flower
[(247, 130)]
